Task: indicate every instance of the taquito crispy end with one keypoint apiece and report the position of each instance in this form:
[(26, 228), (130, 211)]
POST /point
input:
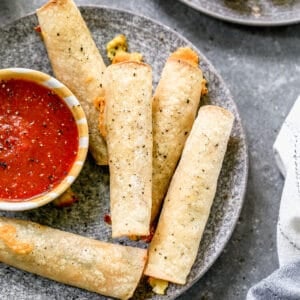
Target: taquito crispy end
[(8, 235), (191, 57), (51, 3), (125, 56), (186, 54)]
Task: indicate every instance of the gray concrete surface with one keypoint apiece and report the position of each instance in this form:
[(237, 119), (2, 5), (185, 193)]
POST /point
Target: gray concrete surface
[(261, 67)]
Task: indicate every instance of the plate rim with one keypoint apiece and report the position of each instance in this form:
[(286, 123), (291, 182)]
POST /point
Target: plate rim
[(241, 21), (243, 135)]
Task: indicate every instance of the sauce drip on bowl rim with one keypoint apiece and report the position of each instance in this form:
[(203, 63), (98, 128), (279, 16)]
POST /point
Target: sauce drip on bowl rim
[(38, 139)]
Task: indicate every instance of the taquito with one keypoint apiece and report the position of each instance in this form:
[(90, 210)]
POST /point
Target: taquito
[(108, 269), (186, 207), (76, 62), (128, 88), (175, 104)]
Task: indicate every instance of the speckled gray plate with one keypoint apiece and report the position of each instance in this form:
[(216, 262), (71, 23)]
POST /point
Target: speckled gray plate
[(250, 12), (20, 46)]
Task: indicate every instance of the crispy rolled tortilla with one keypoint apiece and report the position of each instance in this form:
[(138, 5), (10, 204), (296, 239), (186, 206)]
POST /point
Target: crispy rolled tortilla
[(128, 88), (186, 208), (175, 104), (108, 269), (76, 62)]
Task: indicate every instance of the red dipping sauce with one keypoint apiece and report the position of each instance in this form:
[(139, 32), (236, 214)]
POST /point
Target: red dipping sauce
[(38, 139)]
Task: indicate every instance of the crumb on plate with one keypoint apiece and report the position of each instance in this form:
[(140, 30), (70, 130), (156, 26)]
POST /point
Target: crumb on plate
[(68, 198)]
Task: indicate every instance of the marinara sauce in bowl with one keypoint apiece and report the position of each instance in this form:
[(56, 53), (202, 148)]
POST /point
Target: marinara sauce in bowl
[(43, 138)]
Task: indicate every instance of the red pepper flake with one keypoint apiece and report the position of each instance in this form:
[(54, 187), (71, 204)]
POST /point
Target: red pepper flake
[(38, 29), (107, 219)]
